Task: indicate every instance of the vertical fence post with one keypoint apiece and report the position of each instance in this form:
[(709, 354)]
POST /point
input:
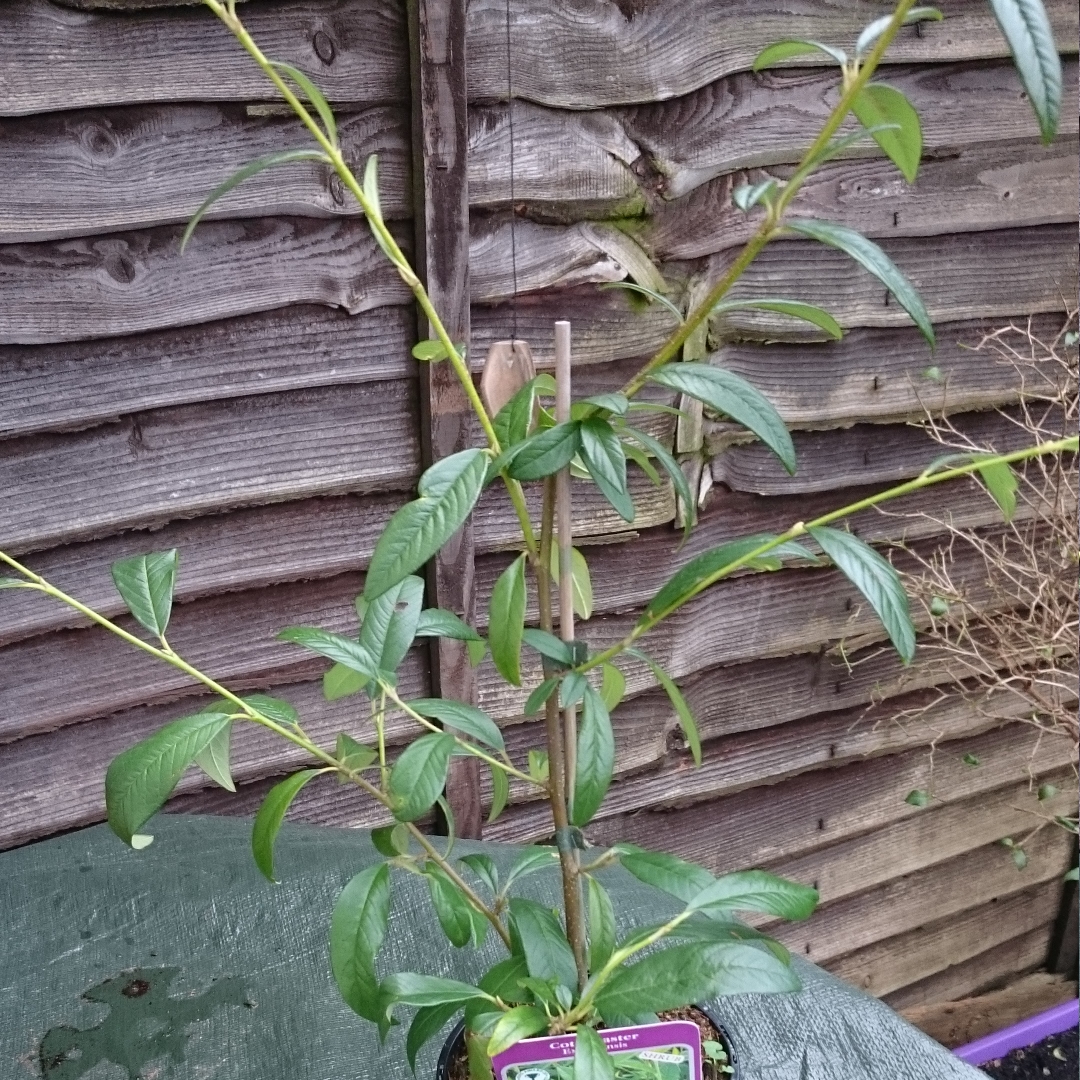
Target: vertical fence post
[(441, 202)]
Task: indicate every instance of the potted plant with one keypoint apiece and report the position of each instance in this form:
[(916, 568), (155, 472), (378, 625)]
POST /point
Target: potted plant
[(566, 978)]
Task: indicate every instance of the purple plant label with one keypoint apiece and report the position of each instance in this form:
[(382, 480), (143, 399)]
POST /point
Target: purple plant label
[(667, 1051)]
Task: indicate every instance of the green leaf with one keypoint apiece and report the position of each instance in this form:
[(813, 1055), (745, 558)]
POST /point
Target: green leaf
[(539, 768), (483, 866), (500, 792), (514, 420), (391, 840), (1001, 482), (683, 974), (448, 492), (451, 907), (1047, 791), (424, 991), (729, 394), (595, 758), (532, 859), (353, 755), (613, 686), (426, 1024), (868, 255), (540, 695), (591, 1058), (437, 622), (1019, 857), (146, 583), (560, 652), (682, 710), (876, 579), (270, 816), (461, 717), (580, 579), (313, 94), (755, 890), (543, 943), (917, 797), (506, 620), (788, 50), (545, 452), (676, 475), (971, 759), (278, 157), (612, 402), (878, 105), (712, 931), (371, 189), (390, 623), (431, 351), (357, 929), (747, 196), (419, 776), (139, 780), (650, 294), (213, 759), (518, 1023), (281, 712), (340, 681), (683, 880), (875, 29), (641, 459), (1026, 27), (603, 456), (795, 308), (503, 980), (342, 650), (835, 147), (601, 925), (1073, 874)]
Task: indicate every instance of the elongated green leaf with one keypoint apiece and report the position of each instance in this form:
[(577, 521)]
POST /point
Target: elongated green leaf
[(581, 580), (560, 652), (464, 718), (755, 890), (642, 461), (213, 759), (139, 780), (408, 988), (795, 308), (877, 580), (313, 94), (517, 1024), (272, 708), (1026, 27), (545, 452), (531, 860), (342, 650), (612, 402), (540, 695), (146, 583), (340, 681), (572, 689), (875, 29), (601, 925), (732, 395), (675, 474), (437, 622), (503, 980), (747, 196), (712, 931), (267, 161), (880, 106), (673, 875), (390, 622), (683, 974), (500, 792), (591, 1058), (514, 420), (595, 758), (353, 755), (868, 255), (448, 492), (270, 816), (682, 710), (603, 455), (391, 840), (506, 620), (650, 294), (430, 351), (543, 942), (1002, 483), (788, 50), (835, 147), (426, 1024), (419, 775), (539, 767), (357, 929), (451, 907), (371, 188), (613, 686), (483, 866)]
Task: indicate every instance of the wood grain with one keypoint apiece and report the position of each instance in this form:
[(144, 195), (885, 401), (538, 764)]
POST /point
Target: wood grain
[(592, 53), (106, 170), (76, 385), (70, 290), (52, 58), (158, 466)]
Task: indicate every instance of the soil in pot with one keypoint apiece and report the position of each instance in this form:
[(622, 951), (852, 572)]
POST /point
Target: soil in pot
[(455, 1065), (1055, 1058)]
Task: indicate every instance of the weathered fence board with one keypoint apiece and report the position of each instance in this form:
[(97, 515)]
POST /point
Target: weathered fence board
[(75, 385), (580, 54), (102, 171), (52, 58), (157, 466), (69, 290)]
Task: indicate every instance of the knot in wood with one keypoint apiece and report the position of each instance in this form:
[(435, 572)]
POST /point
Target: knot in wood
[(324, 47)]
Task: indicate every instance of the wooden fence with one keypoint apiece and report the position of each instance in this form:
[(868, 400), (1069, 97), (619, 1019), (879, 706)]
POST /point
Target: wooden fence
[(255, 405)]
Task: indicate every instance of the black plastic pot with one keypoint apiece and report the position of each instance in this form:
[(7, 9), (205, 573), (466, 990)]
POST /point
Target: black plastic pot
[(455, 1043)]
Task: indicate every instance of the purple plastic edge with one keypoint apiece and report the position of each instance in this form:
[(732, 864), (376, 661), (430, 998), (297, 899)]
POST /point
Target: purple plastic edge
[(1032, 1030)]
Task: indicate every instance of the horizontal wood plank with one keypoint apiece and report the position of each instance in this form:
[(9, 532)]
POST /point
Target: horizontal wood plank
[(86, 172), (52, 58), (70, 290), (158, 466), (76, 385), (583, 54)]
